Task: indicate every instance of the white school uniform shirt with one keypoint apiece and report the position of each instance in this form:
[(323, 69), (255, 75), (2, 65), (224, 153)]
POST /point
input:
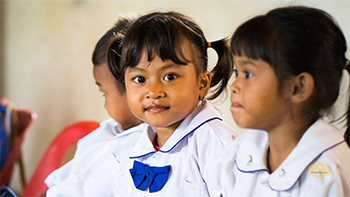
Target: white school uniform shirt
[(96, 160), (197, 140), (245, 173)]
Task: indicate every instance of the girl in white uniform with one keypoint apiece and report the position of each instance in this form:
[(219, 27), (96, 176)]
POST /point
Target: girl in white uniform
[(164, 68), (110, 142), (289, 64)]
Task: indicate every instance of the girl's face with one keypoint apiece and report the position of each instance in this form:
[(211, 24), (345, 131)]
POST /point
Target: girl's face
[(115, 102), (163, 93), (256, 101)]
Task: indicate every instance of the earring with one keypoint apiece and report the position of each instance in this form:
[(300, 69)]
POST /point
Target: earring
[(201, 99)]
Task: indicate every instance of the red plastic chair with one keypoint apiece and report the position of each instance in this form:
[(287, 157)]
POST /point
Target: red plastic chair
[(25, 118), (54, 154)]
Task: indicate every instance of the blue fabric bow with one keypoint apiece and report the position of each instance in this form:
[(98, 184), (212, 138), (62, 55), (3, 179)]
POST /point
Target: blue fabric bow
[(144, 175)]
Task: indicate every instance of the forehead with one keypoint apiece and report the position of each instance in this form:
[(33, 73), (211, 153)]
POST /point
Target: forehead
[(245, 61), (242, 60), (155, 64), (102, 75), (101, 70), (181, 56)]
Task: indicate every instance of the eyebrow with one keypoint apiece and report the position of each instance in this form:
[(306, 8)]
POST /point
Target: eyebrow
[(98, 84), (246, 62), (134, 69), (167, 66), (171, 65)]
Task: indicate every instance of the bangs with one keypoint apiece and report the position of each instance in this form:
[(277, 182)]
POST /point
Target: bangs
[(159, 37), (257, 39)]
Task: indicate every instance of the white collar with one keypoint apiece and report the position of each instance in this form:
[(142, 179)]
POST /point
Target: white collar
[(316, 140), (203, 113), (113, 127)]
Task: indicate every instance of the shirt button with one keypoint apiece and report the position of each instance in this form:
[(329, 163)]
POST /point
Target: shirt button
[(281, 173), (157, 157), (249, 160)]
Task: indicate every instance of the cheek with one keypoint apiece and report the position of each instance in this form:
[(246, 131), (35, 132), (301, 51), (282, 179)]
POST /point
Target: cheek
[(129, 92), (107, 105), (132, 100), (131, 96), (262, 100)]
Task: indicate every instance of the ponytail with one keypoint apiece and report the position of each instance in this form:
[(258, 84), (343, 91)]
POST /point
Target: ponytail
[(222, 71), (346, 134)]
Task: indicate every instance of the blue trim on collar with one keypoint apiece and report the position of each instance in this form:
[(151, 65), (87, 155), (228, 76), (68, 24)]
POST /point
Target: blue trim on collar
[(142, 155), (306, 167), (259, 170), (135, 157), (190, 133)]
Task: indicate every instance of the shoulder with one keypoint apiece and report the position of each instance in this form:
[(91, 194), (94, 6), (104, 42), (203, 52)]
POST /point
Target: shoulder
[(329, 172), (208, 123), (337, 159), (58, 175), (216, 129), (220, 169), (329, 146), (227, 158), (96, 139), (318, 164), (104, 131)]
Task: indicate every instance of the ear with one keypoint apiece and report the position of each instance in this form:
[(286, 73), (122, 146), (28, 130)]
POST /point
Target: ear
[(303, 86), (204, 83)]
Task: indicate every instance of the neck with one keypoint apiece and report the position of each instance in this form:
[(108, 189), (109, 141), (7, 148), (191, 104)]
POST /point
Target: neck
[(282, 140), (128, 125), (164, 133)]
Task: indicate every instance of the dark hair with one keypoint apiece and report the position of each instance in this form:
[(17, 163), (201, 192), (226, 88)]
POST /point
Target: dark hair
[(114, 35), (163, 34), (294, 40)]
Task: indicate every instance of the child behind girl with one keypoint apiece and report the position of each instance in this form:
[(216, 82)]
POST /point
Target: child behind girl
[(164, 68), (118, 133), (289, 64)]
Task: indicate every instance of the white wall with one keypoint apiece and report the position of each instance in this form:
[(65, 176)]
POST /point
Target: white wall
[(48, 45)]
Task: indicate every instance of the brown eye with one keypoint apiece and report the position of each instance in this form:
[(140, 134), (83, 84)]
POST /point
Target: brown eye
[(170, 77), (139, 79)]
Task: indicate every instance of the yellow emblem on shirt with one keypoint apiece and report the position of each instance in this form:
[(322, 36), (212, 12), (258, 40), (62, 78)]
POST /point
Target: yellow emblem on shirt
[(319, 170)]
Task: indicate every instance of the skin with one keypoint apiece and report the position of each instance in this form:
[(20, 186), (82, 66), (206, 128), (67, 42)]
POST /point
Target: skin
[(115, 101), (163, 93), (257, 102)]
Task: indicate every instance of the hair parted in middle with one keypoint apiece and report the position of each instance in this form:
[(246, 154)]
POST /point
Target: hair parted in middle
[(164, 34)]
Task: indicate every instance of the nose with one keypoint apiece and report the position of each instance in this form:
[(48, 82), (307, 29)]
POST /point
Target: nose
[(235, 87), (155, 90)]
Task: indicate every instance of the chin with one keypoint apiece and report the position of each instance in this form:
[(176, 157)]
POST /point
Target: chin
[(239, 122)]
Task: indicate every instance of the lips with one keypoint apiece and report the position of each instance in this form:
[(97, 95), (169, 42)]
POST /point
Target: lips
[(154, 108), (236, 104)]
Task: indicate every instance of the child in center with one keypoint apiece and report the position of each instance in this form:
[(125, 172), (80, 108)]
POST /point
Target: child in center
[(164, 68), (288, 64)]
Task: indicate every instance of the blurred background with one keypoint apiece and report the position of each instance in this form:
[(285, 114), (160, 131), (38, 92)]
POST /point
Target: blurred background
[(46, 48)]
